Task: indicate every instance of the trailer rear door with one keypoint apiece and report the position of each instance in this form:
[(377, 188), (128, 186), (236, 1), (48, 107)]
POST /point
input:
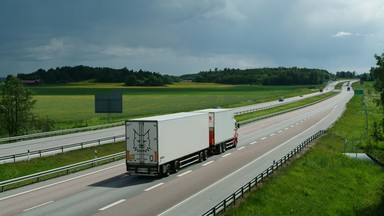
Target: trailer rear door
[(141, 142)]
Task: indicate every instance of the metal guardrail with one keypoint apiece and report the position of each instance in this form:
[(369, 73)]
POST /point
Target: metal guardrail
[(231, 199), (59, 148), (59, 132), (264, 108), (38, 176)]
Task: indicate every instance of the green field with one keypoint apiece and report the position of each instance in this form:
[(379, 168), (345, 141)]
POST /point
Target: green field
[(72, 105), (324, 182)]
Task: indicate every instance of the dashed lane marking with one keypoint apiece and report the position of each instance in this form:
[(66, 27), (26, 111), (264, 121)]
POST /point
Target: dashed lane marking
[(38, 206), (111, 205), (154, 186), (226, 155), (207, 163), (184, 173)]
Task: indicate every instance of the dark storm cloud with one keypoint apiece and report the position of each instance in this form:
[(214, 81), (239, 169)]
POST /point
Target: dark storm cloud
[(178, 37)]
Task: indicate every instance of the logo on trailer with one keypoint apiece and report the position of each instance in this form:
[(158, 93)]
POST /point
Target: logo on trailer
[(141, 142)]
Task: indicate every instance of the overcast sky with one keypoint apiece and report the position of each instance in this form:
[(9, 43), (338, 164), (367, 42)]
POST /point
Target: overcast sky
[(187, 36)]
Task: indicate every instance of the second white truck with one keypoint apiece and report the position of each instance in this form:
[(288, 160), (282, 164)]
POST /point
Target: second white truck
[(222, 129)]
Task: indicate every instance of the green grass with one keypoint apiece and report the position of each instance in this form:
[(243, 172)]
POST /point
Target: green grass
[(324, 182), (69, 104), (284, 107), (19, 169)]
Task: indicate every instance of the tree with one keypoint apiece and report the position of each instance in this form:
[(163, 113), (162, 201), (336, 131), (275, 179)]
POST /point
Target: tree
[(16, 103), (378, 127)]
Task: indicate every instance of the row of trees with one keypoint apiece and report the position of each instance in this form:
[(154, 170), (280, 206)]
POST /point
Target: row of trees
[(377, 73), (99, 74), (263, 76)]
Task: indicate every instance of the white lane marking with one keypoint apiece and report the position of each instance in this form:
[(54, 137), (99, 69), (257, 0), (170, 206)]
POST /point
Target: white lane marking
[(154, 186), (38, 206), (279, 131), (111, 205), (207, 163), (240, 148), (60, 182), (184, 173), (272, 134), (254, 142), (263, 138), (297, 123), (225, 155), (286, 128), (292, 125)]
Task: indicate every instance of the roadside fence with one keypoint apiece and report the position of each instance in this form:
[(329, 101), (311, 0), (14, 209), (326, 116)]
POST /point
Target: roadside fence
[(231, 199)]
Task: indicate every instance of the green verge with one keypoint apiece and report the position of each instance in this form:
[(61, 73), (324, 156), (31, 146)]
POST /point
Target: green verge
[(323, 181), (281, 108), (14, 170)]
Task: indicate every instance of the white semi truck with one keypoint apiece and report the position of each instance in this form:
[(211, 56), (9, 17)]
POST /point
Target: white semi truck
[(161, 145)]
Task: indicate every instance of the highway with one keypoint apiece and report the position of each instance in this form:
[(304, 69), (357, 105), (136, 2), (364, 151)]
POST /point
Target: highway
[(62, 140), (108, 190)]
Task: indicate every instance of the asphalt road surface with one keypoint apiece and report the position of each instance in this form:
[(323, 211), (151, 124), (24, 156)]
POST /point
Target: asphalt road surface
[(108, 190)]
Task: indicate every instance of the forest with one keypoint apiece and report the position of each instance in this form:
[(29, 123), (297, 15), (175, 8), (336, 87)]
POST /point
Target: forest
[(255, 76), (103, 75), (263, 76)]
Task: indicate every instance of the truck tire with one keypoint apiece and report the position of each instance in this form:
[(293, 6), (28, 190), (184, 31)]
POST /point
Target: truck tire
[(205, 157), (166, 170), (234, 144), (176, 166), (219, 149), (201, 156)]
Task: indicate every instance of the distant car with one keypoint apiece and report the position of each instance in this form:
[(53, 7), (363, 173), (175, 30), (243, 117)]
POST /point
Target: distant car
[(281, 99), (301, 95)]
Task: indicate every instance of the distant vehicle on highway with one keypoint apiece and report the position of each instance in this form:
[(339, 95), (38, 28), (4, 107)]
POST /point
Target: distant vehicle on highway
[(281, 99)]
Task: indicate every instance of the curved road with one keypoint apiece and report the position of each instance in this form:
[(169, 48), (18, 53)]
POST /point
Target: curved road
[(107, 190)]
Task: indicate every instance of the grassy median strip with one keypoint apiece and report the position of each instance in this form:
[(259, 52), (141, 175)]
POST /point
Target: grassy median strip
[(285, 107), (323, 181)]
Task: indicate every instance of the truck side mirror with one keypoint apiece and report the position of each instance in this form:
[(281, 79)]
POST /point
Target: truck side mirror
[(237, 125)]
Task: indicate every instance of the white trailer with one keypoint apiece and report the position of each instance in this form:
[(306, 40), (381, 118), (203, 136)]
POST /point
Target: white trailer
[(160, 145), (222, 129)]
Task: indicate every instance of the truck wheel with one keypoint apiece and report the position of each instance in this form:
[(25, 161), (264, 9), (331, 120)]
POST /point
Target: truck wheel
[(219, 149), (166, 170), (201, 156), (234, 144), (176, 166), (205, 157)]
